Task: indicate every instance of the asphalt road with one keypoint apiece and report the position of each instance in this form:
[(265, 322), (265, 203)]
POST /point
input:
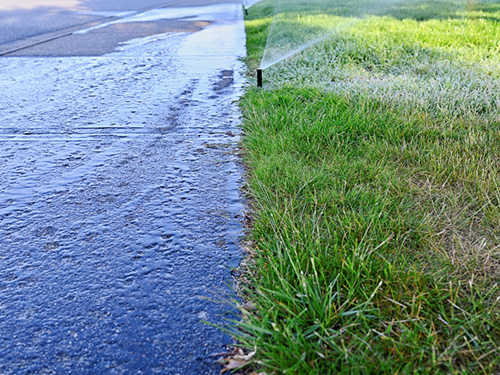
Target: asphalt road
[(119, 176)]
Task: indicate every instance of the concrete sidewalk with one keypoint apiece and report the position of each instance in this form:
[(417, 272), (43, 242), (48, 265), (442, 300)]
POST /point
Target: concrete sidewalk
[(119, 201)]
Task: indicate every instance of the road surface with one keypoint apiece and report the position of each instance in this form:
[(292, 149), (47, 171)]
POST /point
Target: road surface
[(119, 176)]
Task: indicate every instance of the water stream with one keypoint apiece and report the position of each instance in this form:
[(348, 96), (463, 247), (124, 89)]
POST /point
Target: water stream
[(299, 24)]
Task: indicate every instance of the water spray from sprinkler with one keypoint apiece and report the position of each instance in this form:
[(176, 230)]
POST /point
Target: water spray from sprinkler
[(292, 32)]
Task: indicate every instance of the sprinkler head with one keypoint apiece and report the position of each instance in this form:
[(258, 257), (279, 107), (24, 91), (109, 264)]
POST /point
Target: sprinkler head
[(259, 77)]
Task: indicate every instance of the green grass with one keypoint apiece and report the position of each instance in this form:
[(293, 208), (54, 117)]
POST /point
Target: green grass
[(374, 173)]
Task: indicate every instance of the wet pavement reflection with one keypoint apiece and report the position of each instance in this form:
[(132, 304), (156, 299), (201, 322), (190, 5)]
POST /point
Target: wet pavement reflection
[(119, 204)]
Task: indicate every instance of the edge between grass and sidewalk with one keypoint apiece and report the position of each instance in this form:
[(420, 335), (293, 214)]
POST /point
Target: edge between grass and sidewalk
[(373, 243)]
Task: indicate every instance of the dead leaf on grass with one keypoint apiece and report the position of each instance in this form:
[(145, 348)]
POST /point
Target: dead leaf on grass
[(236, 359)]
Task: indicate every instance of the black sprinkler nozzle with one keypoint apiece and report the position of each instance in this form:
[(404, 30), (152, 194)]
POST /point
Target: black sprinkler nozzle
[(259, 77)]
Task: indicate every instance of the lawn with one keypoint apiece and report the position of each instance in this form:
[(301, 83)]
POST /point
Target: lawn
[(373, 176)]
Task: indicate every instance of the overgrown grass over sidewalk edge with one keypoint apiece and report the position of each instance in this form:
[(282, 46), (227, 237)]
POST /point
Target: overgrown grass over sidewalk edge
[(395, 301)]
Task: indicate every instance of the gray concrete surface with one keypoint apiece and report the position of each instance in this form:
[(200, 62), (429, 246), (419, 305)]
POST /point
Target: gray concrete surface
[(119, 202), (25, 18), (28, 24)]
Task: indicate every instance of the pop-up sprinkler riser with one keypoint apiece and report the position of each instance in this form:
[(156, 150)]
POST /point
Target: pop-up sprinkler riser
[(259, 77)]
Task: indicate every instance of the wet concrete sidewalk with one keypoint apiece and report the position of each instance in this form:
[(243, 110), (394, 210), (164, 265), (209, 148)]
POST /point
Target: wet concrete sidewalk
[(119, 202)]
